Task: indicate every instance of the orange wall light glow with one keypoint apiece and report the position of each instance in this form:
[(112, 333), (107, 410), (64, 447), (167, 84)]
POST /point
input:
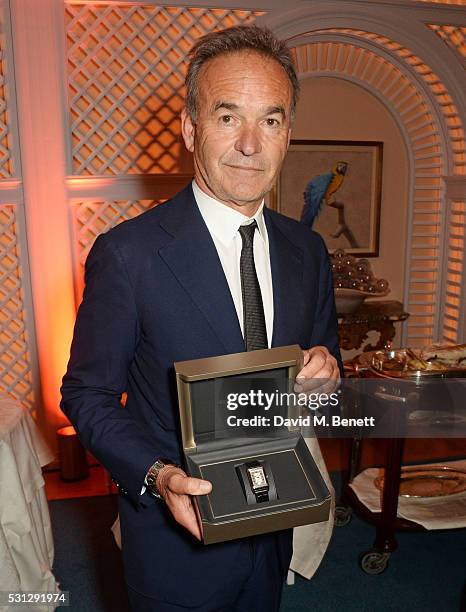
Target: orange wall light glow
[(39, 77)]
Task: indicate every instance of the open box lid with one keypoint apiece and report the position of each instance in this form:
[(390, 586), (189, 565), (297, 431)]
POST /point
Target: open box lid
[(206, 388)]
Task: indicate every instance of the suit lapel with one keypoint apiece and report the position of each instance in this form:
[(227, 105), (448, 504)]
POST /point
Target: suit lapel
[(286, 261), (192, 257)]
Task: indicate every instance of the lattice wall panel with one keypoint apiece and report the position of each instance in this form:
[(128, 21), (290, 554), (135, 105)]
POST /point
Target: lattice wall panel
[(15, 371), (453, 36), (6, 161), (126, 68), (455, 274), (94, 218)]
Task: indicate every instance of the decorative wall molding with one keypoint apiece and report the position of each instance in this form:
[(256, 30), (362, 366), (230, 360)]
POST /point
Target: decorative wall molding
[(453, 37), (453, 287), (393, 63), (416, 69), (137, 187), (449, 2), (18, 356), (399, 21), (455, 187), (11, 191), (37, 31), (6, 162)]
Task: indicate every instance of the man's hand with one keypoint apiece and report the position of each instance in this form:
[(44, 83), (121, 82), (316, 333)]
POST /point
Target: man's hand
[(320, 371), (176, 489)]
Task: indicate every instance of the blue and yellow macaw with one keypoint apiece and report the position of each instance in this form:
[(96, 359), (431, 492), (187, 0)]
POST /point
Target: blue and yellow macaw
[(319, 190)]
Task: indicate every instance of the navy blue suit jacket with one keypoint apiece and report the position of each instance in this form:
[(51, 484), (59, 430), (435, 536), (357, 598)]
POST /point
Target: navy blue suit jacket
[(156, 293)]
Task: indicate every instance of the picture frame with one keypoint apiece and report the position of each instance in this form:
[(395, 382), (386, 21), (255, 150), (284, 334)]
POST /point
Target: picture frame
[(349, 217)]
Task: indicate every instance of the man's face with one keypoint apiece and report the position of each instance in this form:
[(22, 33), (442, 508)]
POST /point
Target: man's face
[(242, 129)]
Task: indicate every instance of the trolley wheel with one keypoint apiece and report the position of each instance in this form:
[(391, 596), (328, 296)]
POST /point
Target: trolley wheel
[(374, 562), (343, 515)]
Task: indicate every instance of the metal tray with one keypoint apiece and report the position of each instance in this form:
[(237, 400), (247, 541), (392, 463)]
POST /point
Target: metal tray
[(435, 481), (396, 364)]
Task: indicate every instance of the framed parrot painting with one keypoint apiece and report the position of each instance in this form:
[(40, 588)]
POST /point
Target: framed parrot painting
[(334, 187)]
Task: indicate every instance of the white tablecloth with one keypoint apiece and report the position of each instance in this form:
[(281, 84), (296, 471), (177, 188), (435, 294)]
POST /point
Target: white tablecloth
[(26, 544), (311, 541), (442, 512)]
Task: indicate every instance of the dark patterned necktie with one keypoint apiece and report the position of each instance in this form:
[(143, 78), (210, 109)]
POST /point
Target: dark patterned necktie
[(255, 333)]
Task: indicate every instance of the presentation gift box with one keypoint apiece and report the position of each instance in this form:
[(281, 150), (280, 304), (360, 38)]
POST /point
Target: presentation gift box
[(236, 416)]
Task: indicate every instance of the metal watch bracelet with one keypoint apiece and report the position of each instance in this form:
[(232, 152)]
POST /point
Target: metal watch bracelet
[(152, 474)]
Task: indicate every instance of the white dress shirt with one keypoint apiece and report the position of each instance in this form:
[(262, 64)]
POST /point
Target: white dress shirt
[(223, 224)]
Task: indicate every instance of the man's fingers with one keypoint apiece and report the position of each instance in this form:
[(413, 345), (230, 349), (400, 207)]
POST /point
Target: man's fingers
[(323, 386), (184, 513), (187, 518), (320, 366), (185, 485), (306, 357), (176, 488), (305, 385), (318, 358)]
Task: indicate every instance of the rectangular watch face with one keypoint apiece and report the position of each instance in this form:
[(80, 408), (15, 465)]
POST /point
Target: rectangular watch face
[(257, 477)]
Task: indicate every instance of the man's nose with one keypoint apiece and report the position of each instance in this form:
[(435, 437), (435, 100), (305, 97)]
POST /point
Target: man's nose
[(248, 141)]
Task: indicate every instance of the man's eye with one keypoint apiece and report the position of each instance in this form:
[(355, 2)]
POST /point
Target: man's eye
[(271, 122), (226, 119)]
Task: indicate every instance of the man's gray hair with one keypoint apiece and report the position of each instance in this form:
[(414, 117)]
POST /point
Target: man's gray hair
[(236, 39)]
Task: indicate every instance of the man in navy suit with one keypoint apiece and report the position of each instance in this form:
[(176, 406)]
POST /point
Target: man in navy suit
[(166, 286)]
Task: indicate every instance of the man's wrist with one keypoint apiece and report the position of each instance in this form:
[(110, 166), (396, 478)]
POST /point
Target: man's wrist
[(151, 480), (164, 476)]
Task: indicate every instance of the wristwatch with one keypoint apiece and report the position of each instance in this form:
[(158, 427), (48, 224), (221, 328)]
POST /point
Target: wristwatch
[(151, 477), (258, 480)]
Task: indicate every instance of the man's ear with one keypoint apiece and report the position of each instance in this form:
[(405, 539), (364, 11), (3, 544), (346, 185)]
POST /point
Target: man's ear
[(188, 129)]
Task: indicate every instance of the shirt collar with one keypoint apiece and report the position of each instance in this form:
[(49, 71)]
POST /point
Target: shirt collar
[(222, 221)]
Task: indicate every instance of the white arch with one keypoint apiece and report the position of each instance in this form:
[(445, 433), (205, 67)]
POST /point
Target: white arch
[(411, 75), (416, 87), (411, 32)]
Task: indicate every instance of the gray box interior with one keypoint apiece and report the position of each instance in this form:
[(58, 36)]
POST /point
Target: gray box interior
[(209, 406), (298, 481)]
